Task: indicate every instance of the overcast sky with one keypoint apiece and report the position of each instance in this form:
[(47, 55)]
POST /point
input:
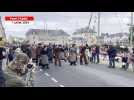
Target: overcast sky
[(111, 22)]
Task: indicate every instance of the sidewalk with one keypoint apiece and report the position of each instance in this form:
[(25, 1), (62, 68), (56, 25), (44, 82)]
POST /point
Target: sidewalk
[(117, 64)]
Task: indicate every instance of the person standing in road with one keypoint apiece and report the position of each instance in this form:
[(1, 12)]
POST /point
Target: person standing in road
[(50, 53), (93, 50), (112, 54), (73, 55), (44, 58), (57, 55), (33, 53), (83, 55), (97, 53), (38, 53), (132, 58), (125, 63)]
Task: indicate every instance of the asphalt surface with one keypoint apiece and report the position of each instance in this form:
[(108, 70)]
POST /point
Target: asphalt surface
[(92, 75)]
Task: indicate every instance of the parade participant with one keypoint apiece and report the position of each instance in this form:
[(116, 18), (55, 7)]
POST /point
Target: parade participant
[(44, 58), (29, 51), (97, 53), (50, 53), (11, 55), (132, 58), (93, 50), (66, 51), (87, 52), (38, 52), (62, 53), (112, 54), (125, 63), (33, 53), (57, 55), (72, 55), (83, 55), (16, 69)]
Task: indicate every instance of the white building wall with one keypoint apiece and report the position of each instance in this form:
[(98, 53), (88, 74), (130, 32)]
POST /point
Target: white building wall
[(47, 39)]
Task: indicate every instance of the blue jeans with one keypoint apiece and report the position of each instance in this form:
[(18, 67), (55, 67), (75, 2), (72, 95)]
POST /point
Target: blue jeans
[(112, 61), (93, 58), (98, 59)]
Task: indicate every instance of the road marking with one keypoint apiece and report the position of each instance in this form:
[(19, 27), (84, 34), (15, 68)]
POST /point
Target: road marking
[(53, 79), (61, 85), (47, 74)]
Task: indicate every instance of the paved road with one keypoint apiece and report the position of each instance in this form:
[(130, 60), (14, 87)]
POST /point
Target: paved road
[(93, 75)]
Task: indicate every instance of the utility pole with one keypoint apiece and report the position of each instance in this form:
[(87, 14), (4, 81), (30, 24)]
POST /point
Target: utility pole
[(98, 26), (131, 30)]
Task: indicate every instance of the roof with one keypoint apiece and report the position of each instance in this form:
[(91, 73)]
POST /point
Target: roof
[(50, 32)]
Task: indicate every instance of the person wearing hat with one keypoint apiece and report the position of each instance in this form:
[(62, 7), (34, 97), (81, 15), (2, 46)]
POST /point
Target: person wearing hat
[(16, 69)]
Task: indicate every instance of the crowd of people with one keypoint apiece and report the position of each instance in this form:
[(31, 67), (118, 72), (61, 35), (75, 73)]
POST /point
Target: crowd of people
[(43, 55)]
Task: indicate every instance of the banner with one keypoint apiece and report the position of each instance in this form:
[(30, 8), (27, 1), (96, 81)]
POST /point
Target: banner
[(19, 19)]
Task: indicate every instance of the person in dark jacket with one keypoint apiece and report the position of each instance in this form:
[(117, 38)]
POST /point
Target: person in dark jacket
[(97, 53), (112, 54), (11, 55), (44, 58), (50, 53), (93, 50)]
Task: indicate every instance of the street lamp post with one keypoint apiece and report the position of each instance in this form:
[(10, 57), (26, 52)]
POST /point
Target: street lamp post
[(98, 26), (131, 30)]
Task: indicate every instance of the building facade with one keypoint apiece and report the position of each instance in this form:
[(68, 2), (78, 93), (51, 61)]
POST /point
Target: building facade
[(117, 38), (49, 36)]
